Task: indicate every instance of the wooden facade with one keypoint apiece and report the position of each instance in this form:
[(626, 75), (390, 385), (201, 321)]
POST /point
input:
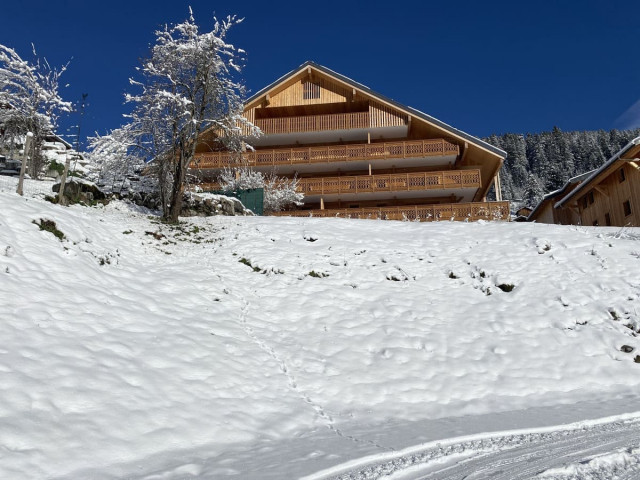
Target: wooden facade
[(353, 148), (607, 196)]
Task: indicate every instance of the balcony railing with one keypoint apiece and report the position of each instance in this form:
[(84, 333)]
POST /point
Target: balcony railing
[(424, 213), (396, 182), (314, 123), (335, 153), (391, 183)]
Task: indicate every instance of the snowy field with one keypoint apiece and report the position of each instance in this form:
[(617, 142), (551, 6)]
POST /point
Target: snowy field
[(277, 348)]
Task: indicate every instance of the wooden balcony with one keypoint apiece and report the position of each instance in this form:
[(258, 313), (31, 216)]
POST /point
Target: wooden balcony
[(423, 213), (391, 183), (314, 123), (335, 153)]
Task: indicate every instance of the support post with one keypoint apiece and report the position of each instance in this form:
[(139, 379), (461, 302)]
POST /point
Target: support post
[(63, 181), (321, 203), (498, 187), (27, 148)]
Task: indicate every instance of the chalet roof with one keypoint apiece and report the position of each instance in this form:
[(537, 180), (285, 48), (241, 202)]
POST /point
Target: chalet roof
[(594, 174), (556, 193), (367, 90), (54, 137)]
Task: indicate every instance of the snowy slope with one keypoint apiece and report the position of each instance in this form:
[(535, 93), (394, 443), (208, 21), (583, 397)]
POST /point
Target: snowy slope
[(279, 347)]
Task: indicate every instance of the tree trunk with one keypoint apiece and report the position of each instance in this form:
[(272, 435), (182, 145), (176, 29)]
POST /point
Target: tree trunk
[(177, 192)]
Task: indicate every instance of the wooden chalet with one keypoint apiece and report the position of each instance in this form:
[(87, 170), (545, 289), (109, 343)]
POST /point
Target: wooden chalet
[(545, 211), (607, 196), (359, 154)]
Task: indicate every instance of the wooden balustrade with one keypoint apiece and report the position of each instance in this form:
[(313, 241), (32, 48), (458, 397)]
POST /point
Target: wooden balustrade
[(334, 153), (423, 213), (314, 123), (391, 183), (396, 182)]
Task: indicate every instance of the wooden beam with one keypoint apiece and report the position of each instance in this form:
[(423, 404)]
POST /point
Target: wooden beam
[(267, 99), (602, 189), (463, 155), (574, 208), (634, 164), (408, 125)]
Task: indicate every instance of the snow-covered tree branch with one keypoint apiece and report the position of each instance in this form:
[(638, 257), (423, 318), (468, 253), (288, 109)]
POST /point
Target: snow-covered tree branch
[(29, 102), (279, 192), (186, 86)]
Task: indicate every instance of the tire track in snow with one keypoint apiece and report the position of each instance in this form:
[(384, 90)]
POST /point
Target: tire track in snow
[(293, 384), (545, 455)]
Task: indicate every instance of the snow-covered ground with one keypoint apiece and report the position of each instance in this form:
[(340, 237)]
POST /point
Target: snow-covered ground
[(276, 348)]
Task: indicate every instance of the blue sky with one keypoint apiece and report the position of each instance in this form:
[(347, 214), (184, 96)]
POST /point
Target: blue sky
[(484, 67)]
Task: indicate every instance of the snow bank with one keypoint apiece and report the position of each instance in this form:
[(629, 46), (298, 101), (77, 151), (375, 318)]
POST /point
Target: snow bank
[(268, 347)]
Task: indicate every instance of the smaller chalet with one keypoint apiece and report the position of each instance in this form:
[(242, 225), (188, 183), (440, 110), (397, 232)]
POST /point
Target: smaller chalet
[(607, 196), (545, 211)]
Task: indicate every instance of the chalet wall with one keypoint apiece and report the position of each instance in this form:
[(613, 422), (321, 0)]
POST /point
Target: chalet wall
[(609, 196), (546, 214), (384, 116), (294, 94)]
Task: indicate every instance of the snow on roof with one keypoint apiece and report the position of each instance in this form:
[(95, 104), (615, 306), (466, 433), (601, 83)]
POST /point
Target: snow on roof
[(555, 193)]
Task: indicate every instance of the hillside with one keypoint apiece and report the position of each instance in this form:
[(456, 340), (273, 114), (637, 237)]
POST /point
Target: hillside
[(258, 347)]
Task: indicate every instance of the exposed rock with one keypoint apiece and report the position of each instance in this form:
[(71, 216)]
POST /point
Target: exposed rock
[(207, 204), (80, 190), (626, 349)]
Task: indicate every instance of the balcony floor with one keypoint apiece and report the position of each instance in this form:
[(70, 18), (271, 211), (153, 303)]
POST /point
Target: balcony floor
[(329, 136), (465, 194)]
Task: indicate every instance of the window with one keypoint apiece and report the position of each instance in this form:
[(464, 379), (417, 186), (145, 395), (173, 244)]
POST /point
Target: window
[(607, 219), (591, 199), (583, 200), (310, 90), (627, 208), (621, 175)]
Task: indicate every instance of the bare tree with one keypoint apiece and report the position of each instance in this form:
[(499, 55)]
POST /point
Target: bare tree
[(29, 102)]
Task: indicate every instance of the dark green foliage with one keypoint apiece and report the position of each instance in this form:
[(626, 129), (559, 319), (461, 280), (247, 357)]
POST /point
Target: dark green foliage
[(315, 274), (50, 226), (57, 167), (506, 287), (248, 264)]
